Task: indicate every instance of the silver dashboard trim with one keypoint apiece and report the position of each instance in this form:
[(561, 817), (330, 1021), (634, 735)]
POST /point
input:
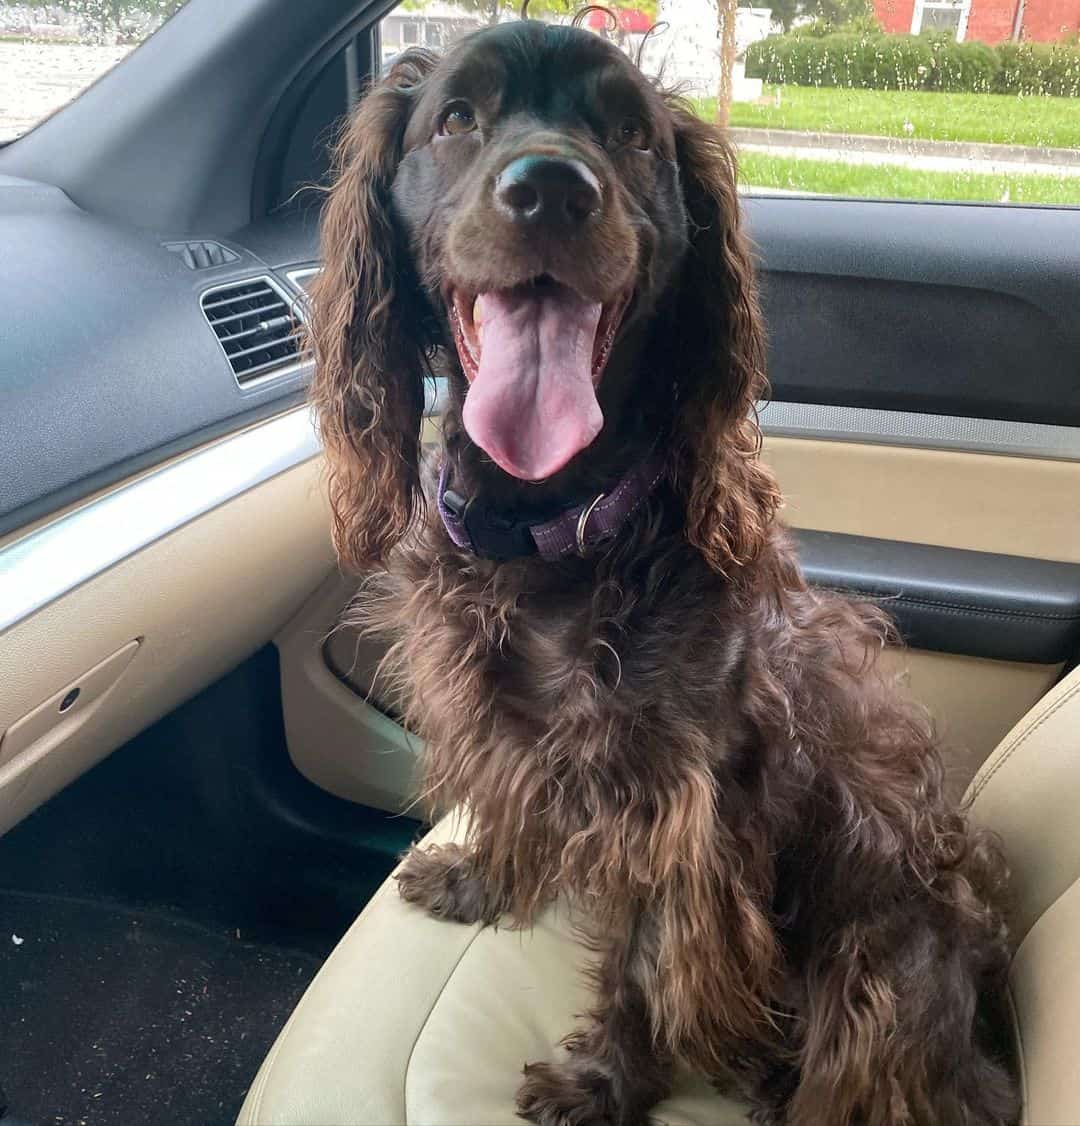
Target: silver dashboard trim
[(922, 431), (299, 276), (48, 563)]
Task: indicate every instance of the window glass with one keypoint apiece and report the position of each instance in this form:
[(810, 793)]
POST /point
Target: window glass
[(51, 51), (963, 100), (938, 17)]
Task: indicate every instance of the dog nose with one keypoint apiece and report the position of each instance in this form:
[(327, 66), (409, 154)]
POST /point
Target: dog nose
[(546, 189)]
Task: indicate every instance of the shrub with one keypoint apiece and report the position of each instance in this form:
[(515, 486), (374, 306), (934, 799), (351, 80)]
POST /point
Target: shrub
[(972, 67), (934, 61), (1039, 68), (867, 61)]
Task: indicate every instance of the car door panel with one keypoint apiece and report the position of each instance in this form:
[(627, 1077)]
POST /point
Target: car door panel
[(979, 502), (925, 374), (199, 600)]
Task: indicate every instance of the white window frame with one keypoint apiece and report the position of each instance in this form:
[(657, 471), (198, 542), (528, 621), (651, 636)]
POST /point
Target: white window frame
[(949, 5)]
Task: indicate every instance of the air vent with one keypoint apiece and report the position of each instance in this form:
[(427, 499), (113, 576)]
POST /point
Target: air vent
[(202, 254), (256, 326)]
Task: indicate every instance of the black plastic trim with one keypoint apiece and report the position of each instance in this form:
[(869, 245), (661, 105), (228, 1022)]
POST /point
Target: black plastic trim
[(979, 604), (922, 307), (270, 189)]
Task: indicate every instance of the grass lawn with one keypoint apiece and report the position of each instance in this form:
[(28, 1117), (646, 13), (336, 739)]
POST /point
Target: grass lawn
[(1001, 118), (758, 170)]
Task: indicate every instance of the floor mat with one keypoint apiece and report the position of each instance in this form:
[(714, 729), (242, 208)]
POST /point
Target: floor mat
[(112, 1016)]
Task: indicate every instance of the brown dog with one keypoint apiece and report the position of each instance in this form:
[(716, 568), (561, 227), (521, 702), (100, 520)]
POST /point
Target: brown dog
[(598, 626)]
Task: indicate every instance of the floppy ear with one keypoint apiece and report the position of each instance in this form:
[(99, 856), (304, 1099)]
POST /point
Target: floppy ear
[(368, 326), (730, 494)]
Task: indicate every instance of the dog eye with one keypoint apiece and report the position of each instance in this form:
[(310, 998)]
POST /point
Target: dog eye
[(458, 118), (632, 132)]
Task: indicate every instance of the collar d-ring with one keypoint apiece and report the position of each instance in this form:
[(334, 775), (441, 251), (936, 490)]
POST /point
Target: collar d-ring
[(583, 521)]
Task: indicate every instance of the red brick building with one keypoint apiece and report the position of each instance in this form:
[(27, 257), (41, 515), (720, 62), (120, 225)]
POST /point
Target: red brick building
[(989, 21)]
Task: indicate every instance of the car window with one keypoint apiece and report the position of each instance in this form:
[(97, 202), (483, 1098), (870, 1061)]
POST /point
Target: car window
[(51, 51), (962, 100)]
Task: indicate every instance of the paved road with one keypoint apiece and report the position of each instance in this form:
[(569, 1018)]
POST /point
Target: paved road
[(38, 78)]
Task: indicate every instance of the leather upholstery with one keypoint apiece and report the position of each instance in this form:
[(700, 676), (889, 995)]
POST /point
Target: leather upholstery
[(1003, 607), (422, 1022), (1028, 791), (418, 1021)]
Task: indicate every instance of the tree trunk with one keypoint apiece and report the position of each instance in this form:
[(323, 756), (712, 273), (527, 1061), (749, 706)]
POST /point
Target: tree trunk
[(725, 35), (493, 12)]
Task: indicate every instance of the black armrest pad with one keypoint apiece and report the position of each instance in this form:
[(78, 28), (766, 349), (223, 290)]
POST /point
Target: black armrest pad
[(1004, 607)]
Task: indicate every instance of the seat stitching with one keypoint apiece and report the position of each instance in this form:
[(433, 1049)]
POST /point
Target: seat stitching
[(988, 611), (427, 1017), (1020, 1059), (262, 1079), (894, 597), (1022, 738)]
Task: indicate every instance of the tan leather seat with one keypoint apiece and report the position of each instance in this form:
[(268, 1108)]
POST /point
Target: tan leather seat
[(428, 1023)]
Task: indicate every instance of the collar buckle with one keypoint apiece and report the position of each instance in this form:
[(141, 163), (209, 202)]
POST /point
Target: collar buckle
[(493, 535)]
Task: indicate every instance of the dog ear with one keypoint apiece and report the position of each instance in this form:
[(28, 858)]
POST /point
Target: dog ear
[(730, 494), (368, 330)]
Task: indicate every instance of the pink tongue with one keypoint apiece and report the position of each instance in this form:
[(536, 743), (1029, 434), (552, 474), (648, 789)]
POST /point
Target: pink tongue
[(532, 405)]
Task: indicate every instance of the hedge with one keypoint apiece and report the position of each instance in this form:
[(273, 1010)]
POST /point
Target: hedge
[(1039, 68), (914, 62)]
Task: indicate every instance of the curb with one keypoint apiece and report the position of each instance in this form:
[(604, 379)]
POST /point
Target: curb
[(860, 142)]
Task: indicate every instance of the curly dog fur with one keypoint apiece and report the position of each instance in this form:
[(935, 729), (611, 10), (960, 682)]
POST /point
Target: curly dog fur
[(675, 729)]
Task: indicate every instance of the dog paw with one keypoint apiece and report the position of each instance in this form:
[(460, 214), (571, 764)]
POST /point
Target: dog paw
[(570, 1096), (441, 881)]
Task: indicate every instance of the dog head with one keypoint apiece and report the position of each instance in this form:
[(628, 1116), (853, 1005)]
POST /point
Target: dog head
[(534, 216)]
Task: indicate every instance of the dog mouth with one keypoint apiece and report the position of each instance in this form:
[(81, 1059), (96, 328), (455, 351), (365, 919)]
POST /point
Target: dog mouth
[(533, 356)]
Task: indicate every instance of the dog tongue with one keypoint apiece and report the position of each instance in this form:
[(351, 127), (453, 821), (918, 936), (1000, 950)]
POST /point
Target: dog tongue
[(532, 405)]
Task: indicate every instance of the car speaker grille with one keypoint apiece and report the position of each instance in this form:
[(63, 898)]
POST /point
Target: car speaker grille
[(256, 325)]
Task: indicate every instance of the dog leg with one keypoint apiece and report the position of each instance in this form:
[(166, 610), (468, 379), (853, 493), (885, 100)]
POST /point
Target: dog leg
[(443, 879), (895, 1035), (612, 1075)]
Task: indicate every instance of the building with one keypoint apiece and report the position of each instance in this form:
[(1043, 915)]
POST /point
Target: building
[(988, 21), (436, 25), (687, 54)]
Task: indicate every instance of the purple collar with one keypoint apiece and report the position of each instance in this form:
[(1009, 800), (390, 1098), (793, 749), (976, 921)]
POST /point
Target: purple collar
[(577, 530)]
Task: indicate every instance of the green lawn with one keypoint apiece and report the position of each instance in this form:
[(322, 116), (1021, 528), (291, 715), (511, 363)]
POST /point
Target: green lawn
[(1001, 118), (884, 181)]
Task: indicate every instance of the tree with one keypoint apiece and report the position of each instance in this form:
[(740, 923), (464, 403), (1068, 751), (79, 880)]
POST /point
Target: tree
[(491, 10), (783, 11), (725, 35), (839, 12), (108, 14)]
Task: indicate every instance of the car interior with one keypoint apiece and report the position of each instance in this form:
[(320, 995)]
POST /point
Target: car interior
[(202, 795)]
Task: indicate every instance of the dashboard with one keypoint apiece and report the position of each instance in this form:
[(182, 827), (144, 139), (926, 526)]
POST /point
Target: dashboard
[(111, 362)]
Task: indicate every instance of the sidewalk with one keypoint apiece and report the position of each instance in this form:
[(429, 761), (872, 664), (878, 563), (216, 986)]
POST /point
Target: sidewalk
[(939, 156)]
